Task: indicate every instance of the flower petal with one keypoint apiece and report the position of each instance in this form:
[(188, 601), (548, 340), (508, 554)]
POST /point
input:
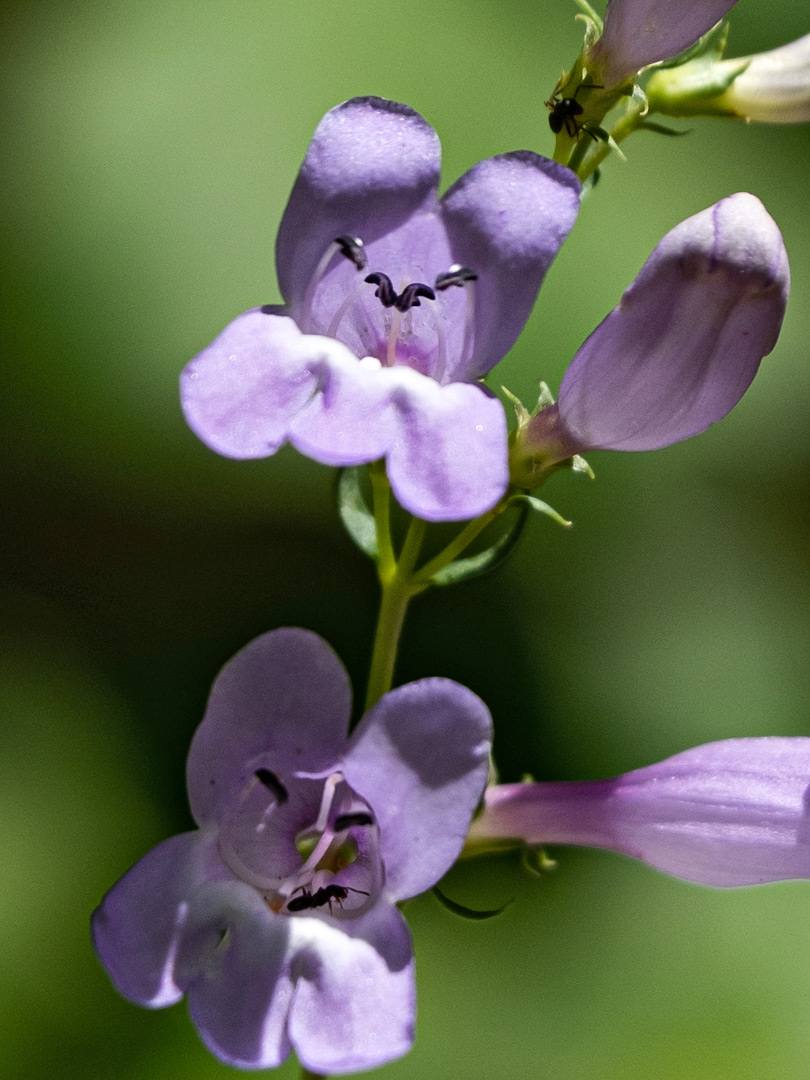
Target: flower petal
[(354, 1003), (420, 758), (642, 32), (728, 813), (371, 164), (138, 925), (281, 703), (235, 962), (446, 446), (240, 393), (506, 219), (450, 461), (685, 342)]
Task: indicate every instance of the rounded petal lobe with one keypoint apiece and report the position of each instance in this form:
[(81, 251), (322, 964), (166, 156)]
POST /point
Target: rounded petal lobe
[(506, 219), (235, 964), (685, 342), (282, 703), (727, 813), (354, 1005), (450, 461), (138, 926), (420, 758), (446, 446), (371, 165), (642, 32), (240, 393)]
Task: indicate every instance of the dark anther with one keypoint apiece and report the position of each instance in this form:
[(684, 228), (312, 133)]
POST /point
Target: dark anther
[(385, 290), (352, 248), (349, 821), (456, 275), (409, 297), (273, 785)]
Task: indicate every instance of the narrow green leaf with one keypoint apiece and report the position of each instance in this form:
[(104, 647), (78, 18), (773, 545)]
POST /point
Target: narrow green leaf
[(465, 912), (659, 129), (475, 565), (354, 513)]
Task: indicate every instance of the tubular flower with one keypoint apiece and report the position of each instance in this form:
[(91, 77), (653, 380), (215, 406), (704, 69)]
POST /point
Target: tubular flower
[(277, 917), (397, 304), (681, 348), (774, 88), (724, 814), (638, 33)]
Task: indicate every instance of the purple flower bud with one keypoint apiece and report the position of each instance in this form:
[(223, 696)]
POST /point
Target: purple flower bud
[(683, 345), (724, 814), (277, 918), (774, 88), (638, 33), (397, 304)]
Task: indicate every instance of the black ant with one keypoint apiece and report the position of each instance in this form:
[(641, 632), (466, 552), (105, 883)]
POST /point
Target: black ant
[(564, 111), (321, 897)]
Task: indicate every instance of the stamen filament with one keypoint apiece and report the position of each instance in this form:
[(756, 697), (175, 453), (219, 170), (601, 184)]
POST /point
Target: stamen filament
[(351, 247)]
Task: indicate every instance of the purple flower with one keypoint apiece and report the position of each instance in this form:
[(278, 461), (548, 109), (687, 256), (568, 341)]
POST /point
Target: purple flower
[(727, 813), (638, 33), (398, 303), (681, 348), (277, 917)]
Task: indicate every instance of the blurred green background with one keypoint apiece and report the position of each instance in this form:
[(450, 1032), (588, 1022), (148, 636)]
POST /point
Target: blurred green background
[(148, 152)]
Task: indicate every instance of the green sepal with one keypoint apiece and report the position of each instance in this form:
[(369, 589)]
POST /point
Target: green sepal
[(474, 565), (590, 15), (536, 861), (357, 519), (659, 129), (466, 912), (541, 508)]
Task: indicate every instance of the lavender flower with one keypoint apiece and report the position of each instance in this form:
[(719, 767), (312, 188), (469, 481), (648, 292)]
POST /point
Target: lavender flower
[(277, 917), (638, 33), (724, 814), (681, 348), (397, 305)]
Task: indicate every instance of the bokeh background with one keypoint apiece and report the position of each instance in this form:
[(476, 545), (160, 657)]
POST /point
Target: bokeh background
[(148, 151)]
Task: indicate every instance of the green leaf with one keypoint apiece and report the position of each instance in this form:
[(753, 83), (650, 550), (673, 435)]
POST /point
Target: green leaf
[(465, 912), (354, 512), (541, 508), (475, 565)]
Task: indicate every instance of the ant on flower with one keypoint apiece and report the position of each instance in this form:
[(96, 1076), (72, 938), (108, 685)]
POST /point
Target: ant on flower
[(563, 112), (321, 897)]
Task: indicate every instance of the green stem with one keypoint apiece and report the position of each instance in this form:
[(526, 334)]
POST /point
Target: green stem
[(470, 531), (626, 126), (381, 501), (398, 588), (307, 1075)]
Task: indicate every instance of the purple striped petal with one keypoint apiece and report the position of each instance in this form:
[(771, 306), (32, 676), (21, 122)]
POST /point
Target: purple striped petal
[(642, 32), (685, 342), (727, 813)]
